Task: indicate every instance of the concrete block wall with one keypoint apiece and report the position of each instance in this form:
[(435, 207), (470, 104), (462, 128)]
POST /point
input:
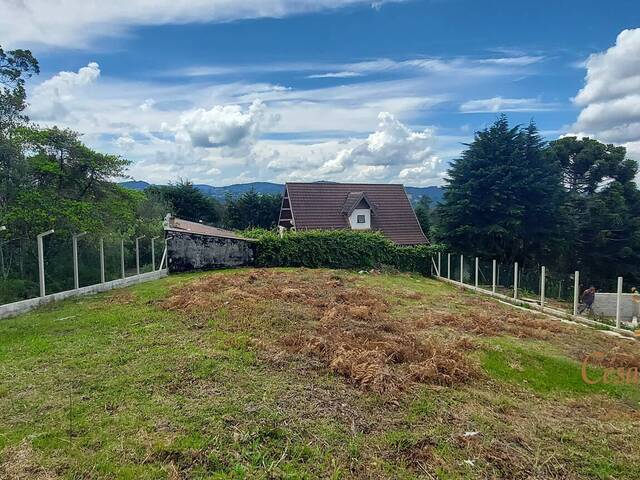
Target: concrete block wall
[(605, 304), (187, 251)]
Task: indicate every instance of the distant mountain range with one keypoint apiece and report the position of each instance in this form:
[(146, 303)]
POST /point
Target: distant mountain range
[(219, 193)]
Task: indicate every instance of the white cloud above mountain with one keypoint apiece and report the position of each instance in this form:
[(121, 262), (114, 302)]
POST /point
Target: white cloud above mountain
[(224, 126), (610, 98)]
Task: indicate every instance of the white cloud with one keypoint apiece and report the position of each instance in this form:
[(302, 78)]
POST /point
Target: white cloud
[(226, 126), (75, 23), (125, 143), (500, 104), (610, 98), (393, 151), (345, 74), (51, 98)]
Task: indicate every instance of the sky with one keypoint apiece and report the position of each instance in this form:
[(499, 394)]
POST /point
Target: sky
[(235, 91)]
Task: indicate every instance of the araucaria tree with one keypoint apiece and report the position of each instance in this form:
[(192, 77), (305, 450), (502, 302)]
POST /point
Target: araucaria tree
[(503, 196)]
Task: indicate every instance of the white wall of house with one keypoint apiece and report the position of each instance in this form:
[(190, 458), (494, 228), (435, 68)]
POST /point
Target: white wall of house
[(353, 219)]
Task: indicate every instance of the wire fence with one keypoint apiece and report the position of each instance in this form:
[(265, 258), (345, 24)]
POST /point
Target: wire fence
[(67, 262), (544, 287)]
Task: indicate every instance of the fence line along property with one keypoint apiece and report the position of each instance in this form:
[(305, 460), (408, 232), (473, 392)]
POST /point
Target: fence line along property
[(21, 306), (539, 296)]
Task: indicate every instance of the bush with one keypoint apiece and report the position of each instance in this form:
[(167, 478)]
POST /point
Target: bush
[(338, 249)]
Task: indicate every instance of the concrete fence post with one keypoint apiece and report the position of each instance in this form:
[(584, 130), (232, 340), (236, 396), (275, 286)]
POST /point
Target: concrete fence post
[(439, 264), (576, 291), (461, 268), (138, 254), (153, 253), (122, 272), (494, 276), (76, 276), (449, 266), (43, 289), (515, 280), (102, 274), (542, 286), (618, 302), (477, 270)]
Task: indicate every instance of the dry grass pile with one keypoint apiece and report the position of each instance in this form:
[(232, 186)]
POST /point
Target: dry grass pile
[(350, 329), (484, 319), (21, 463)]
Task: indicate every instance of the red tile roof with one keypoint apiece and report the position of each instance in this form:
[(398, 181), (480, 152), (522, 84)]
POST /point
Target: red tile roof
[(179, 225), (321, 206)]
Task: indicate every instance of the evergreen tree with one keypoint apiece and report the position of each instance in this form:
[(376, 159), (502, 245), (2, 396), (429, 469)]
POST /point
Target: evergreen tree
[(502, 196), (423, 213)]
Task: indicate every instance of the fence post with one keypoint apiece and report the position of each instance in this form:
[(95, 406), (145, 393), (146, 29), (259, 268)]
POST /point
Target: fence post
[(477, 268), (449, 266), (43, 288), (74, 241), (515, 280), (542, 286), (153, 253), (618, 302), (461, 268), (122, 258), (439, 264), (493, 288), (102, 275), (138, 254), (576, 291)]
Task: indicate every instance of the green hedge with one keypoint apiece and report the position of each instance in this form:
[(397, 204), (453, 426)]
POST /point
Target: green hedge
[(338, 249)]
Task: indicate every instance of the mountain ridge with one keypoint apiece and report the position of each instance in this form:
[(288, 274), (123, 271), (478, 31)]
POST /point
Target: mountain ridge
[(270, 188)]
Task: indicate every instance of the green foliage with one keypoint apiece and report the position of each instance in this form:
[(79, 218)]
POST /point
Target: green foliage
[(338, 249), (15, 66), (503, 196), (188, 202), (423, 213), (252, 210)]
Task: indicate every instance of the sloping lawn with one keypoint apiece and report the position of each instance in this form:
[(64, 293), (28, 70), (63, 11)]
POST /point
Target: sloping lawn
[(294, 373)]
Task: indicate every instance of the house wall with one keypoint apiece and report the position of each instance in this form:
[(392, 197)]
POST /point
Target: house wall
[(353, 219), (188, 251)]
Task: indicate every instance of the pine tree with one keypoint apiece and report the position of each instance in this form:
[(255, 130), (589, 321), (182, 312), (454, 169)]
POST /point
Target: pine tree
[(502, 197)]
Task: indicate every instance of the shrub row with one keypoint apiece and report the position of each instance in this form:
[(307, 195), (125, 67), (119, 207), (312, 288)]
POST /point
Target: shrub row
[(338, 249)]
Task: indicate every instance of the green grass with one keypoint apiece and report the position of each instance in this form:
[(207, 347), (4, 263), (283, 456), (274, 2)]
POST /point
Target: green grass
[(534, 367), (116, 386)]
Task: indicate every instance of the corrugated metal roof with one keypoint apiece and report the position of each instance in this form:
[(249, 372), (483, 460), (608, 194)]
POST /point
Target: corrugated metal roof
[(321, 206), (180, 225)]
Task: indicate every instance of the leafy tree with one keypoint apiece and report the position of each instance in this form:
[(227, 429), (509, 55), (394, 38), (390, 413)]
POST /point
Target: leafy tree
[(502, 196), (252, 210), (602, 208), (15, 67), (423, 212), (188, 202)]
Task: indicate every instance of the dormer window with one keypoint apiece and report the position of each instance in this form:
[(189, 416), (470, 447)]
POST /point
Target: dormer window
[(358, 210)]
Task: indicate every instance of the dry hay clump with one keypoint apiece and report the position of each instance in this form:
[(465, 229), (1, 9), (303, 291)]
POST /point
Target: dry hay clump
[(490, 322), (21, 463), (350, 331), (356, 337)]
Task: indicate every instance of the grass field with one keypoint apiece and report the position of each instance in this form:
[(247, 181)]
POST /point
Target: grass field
[(295, 373)]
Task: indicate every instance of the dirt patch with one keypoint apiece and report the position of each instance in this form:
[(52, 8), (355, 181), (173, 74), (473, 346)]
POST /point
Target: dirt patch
[(20, 463)]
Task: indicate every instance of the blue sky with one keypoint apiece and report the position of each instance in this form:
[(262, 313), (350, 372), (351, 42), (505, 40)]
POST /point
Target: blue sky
[(224, 91)]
